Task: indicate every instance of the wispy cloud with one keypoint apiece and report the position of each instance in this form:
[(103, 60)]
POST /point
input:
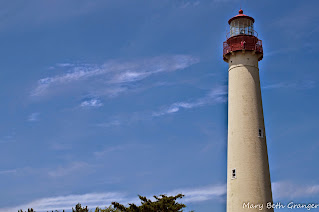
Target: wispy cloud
[(8, 138), (130, 76), (65, 65), (217, 95), (189, 3), (109, 124), (214, 96), (11, 171), (202, 193), (60, 146), (280, 51), (67, 202), (288, 190), (104, 199), (69, 169), (127, 119), (120, 148), (306, 84), (33, 117), (116, 74), (108, 150), (92, 103), (281, 191)]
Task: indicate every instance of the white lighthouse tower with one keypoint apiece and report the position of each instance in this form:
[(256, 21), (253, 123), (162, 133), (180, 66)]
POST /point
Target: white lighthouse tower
[(248, 177)]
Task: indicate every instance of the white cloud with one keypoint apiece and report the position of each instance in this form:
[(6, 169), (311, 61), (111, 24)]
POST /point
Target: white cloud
[(115, 74), (288, 190), (110, 91), (305, 84), (186, 4), (122, 147), (109, 124), (7, 140), (65, 65), (111, 149), (92, 103), (280, 51), (202, 193), (34, 117), (93, 200), (217, 95), (69, 169), (281, 190), (11, 171), (67, 202), (129, 76)]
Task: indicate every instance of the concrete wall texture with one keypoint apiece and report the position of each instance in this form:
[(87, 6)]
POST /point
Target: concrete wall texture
[(250, 188)]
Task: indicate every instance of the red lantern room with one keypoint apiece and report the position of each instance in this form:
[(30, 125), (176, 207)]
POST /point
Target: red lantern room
[(242, 37)]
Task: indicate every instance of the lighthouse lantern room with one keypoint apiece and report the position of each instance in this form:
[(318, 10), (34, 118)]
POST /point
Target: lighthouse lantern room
[(242, 36)]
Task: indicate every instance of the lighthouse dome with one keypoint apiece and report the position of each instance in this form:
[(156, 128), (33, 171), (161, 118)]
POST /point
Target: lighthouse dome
[(241, 15)]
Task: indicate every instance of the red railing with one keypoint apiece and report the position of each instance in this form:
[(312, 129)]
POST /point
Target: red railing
[(242, 42)]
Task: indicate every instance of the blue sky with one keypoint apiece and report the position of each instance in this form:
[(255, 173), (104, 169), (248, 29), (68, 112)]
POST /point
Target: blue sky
[(104, 100)]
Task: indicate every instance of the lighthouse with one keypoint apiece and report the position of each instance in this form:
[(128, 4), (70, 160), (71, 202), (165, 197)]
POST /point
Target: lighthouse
[(248, 177)]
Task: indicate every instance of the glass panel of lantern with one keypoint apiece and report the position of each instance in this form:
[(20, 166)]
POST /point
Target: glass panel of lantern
[(241, 26)]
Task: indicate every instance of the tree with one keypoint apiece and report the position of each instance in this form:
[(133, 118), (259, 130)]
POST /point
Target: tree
[(29, 210), (163, 203), (78, 208), (109, 209)]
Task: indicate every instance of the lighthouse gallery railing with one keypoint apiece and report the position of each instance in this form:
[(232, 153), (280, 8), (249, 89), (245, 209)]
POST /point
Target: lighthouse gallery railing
[(242, 42)]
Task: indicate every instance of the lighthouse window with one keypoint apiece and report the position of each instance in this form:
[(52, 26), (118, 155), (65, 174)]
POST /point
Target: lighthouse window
[(233, 174), (260, 133), (242, 26)]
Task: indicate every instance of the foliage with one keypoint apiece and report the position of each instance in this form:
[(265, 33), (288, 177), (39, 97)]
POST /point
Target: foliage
[(162, 204), (78, 208), (31, 210), (109, 209)]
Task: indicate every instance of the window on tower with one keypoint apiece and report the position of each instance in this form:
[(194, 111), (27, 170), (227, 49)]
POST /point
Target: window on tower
[(233, 174), (260, 133)]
